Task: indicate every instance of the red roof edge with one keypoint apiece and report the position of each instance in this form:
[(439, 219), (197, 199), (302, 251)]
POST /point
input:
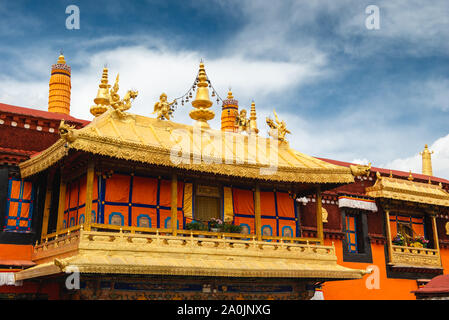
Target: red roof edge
[(40, 114), (387, 171)]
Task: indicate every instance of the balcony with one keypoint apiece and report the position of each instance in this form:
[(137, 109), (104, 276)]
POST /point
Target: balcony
[(416, 257), (116, 250)]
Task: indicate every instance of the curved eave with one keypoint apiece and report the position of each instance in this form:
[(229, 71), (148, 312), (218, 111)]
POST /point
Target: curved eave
[(159, 156)]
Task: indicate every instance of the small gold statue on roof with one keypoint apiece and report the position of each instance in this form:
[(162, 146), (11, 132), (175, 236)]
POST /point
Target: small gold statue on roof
[(360, 170), (163, 108), (125, 103), (242, 122), (278, 129), (67, 132)]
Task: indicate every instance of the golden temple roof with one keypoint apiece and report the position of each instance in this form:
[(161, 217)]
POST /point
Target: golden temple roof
[(152, 141), (408, 190)]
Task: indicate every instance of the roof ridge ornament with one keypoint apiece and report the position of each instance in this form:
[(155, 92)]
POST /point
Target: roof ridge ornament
[(67, 132), (163, 108), (253, 119), (358, 170), (202, 102), (110, 98), (102, 100), (278, 129), (426, 161), (124, 104)]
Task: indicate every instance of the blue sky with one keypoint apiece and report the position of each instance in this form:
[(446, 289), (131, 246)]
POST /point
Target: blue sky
[(346, 92)]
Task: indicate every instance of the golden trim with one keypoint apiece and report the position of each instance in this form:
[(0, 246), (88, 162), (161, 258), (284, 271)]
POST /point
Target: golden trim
[(131, 253), (406, 190)]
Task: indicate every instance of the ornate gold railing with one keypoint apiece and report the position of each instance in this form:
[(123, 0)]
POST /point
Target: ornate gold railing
[(180, 232), (71, 243), (417, 257)]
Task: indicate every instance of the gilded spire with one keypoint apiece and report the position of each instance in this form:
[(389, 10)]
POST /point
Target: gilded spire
[(252, 119), (60, 87), (103, 99), (426, 161), (202, 103)]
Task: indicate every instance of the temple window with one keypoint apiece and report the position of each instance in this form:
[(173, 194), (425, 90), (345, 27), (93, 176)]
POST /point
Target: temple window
[(207, 203), (19, 205), (407, 230), (356, 244), (351, 233)]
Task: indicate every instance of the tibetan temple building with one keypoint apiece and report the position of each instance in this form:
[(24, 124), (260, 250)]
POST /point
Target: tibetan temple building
[(142, 207)]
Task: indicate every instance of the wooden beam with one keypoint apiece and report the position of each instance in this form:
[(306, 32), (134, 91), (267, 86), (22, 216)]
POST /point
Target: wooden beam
[(89, 193), (258, 220), (435, 236), (388, 232), (61, 206), (47, 207), (174, 204), (319, 216)]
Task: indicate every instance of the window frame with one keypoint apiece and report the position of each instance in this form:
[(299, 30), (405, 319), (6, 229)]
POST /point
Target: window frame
[(364, 253)]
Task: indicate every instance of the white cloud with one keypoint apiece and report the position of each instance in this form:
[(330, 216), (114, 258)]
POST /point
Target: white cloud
[(440, 160), (153, 71)]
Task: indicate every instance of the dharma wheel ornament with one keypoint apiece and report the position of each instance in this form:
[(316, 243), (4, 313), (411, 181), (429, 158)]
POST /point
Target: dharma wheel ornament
[(202, 103)]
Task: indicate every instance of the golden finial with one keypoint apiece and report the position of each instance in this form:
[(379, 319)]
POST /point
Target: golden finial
[(252, 119), (61, 59), (202, 103), (430, 181), (391, 174), (230, 96), (103, 99), (426, 161), (410, 176)]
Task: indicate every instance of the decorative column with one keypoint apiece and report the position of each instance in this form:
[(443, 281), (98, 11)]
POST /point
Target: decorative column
[(435, 235), (47, 207), (174, 204), (319, 216), (62, 194), (390, 249), (89, 193), (258, 219)]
